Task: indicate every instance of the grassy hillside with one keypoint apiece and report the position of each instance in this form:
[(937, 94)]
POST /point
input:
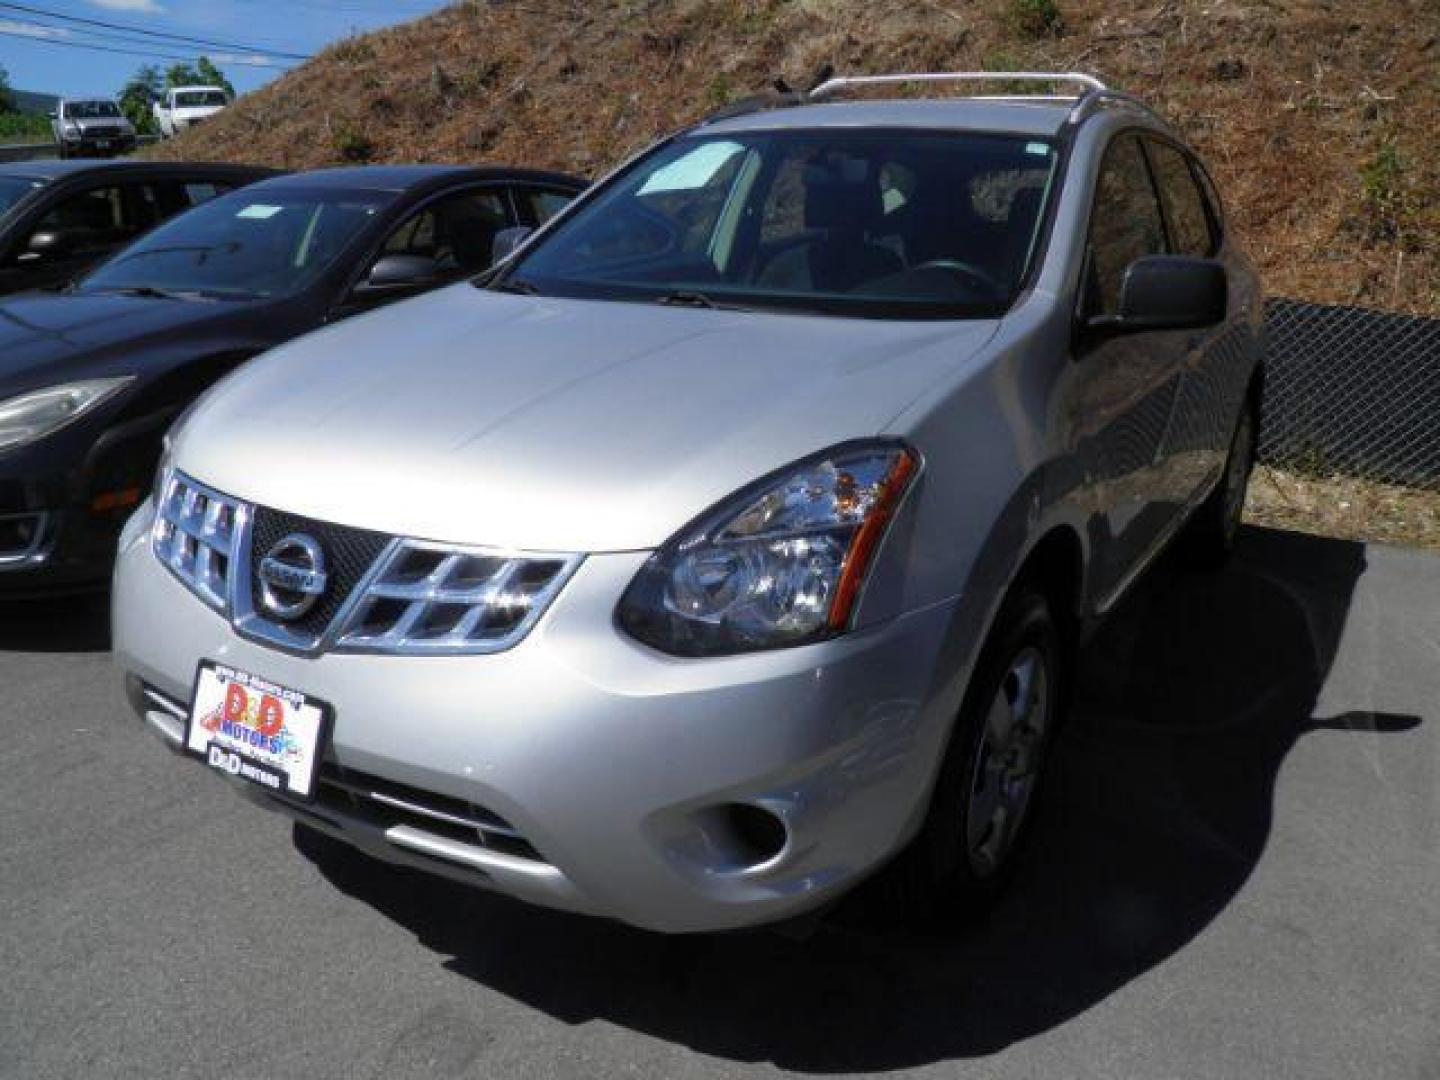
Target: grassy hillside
[(1319, 117)]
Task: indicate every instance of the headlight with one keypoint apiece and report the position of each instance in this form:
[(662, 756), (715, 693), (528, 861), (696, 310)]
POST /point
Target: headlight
[(161, 484), (780, 563), (34, 415)]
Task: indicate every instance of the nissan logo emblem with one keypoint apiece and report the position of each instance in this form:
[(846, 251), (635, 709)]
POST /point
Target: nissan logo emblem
[(292, 577)]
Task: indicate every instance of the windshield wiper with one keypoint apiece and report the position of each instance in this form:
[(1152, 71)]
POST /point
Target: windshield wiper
[(150, 292), (515, 285), (682, 298), (147, 291)]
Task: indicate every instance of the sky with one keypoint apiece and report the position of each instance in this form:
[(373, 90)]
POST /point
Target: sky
[(38, 47)]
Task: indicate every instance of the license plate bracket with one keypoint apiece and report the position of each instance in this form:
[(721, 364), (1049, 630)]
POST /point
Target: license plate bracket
[(258, 731)]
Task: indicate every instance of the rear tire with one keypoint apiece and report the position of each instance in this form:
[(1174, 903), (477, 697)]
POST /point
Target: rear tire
[(985, 794), (1209, 536)]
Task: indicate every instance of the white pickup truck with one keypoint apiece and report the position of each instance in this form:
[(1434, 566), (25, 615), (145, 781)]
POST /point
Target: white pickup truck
[(185, 106)]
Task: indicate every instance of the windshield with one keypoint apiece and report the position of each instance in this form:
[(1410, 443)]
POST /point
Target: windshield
[(250, 244), (13, 189), (897, 224), (192, 99), (90, 110)]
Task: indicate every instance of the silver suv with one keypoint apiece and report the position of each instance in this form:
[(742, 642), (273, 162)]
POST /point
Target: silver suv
[(734, 540)]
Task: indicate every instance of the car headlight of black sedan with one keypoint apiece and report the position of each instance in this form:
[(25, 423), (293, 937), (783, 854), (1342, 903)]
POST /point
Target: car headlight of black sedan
[(37, 413)]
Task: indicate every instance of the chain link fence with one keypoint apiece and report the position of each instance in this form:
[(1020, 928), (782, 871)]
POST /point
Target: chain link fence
[(1352, 391)]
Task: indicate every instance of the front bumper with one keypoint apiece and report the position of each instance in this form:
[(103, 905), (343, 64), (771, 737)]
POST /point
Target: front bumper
[(616, 767), (109, 144), (75, 491)]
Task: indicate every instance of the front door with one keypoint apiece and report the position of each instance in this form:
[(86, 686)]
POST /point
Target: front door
[(1125, 384)]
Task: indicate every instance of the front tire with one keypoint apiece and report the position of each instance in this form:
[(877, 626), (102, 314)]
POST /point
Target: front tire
[(982, 805)]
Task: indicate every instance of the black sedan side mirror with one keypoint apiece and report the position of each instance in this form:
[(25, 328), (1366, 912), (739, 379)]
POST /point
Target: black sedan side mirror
[(394, 273), (48, 244), (1168, 292), (507, 242)]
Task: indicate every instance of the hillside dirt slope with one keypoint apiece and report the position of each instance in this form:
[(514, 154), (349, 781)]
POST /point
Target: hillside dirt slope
[(1319, 117)]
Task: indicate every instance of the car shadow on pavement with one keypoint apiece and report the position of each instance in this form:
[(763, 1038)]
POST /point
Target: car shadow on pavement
[(70, 623), (1158, 810)]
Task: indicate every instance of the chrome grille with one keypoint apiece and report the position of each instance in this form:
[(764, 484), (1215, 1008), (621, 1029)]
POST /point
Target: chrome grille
[(389, 594), (436, 599), (196, 534)]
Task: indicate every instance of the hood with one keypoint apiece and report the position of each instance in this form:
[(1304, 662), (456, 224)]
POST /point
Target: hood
[(48, 338), (101, 123), (552, 425)]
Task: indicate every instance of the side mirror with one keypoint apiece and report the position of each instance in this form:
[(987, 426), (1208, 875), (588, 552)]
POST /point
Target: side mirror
[(392, 273), (1169, 292), (507, 242), (48, 244), (53, 115)]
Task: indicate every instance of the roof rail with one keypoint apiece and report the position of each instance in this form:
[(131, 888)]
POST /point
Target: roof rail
[(755, 103), (846, 82), (1094, 100)]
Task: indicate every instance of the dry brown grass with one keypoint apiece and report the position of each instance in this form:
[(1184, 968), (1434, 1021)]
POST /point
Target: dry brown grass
[(1345, 507), (1318, 116)]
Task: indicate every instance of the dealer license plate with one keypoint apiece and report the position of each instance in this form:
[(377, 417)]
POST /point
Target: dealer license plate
[(251, 728)]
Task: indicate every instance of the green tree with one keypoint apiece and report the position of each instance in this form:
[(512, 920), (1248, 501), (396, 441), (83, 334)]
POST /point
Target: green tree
[(7, 99), (201, 73), (210, 75), (139, 96), (181, 74)]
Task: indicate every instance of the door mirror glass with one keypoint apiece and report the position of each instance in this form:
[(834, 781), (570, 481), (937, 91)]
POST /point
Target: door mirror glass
[(48, 244), (507, 241), (1170, 292), (395, 272)]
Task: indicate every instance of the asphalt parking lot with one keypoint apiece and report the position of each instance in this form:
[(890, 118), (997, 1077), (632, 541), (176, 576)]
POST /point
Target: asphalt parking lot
[(1235, 874)]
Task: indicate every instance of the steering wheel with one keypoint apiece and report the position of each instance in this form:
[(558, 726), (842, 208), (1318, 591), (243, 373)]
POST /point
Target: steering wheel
[(983, 278)]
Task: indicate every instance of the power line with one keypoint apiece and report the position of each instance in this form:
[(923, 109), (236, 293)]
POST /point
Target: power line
[(148, 55), (173, 38), (80, 36)]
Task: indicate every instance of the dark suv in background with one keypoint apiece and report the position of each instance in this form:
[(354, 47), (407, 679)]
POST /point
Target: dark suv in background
[(58, 218)]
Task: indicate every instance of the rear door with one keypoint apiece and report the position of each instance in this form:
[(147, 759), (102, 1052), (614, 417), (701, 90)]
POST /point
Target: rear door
[(455, 230), (1126, 384)]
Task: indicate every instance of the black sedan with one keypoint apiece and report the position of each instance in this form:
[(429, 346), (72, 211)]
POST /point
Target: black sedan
[(90, 379), (58, 218)]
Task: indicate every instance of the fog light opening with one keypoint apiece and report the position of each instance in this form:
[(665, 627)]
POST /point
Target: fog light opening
[(758, 834)]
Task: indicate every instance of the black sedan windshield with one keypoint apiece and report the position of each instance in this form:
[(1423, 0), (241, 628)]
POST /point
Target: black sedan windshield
[(252, 244), (899, 224)]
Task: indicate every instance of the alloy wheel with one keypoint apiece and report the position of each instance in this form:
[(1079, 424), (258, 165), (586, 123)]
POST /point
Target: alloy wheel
[(1008, 760)]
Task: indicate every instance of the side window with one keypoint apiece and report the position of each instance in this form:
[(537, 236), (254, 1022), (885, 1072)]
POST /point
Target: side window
[(538, 205), (94, 221), (194, 192), (1125, 224), (456, 231), (1184, 204)]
